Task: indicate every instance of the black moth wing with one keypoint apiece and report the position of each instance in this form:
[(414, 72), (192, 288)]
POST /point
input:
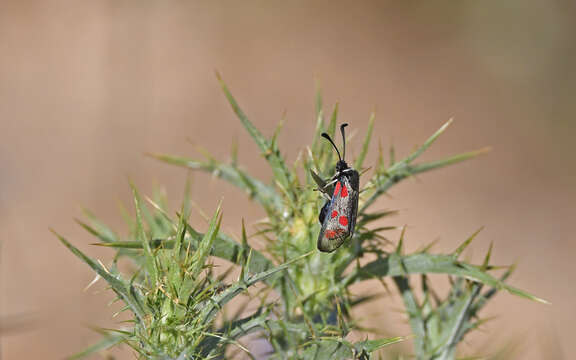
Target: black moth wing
[(338, 216), (323, 212)]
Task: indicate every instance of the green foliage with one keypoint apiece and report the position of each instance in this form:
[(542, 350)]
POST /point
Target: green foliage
[(177, 302)]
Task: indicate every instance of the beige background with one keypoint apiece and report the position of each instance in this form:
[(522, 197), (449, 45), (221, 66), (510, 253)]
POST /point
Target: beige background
[(87, 87)]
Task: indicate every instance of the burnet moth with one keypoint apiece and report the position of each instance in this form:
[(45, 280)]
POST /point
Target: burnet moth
[(338, 215)]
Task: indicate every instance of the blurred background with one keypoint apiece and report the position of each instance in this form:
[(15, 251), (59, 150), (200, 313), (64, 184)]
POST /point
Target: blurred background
[(86, 88)]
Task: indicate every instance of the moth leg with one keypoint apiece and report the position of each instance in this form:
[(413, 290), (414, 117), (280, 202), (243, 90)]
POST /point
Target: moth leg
[(329, 184)]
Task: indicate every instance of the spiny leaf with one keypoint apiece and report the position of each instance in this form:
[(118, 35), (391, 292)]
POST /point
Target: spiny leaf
[(420, 168), (318, 101), (369, 217), (401, 170), (366, 145), (166, 244), (333, 119), (107, 342), (102, 236), (329, 162), (234, 153), (183, 219), (127, 293), (252, 130), (204, 247), (281, 172), (428, 142), (262, 193), (455, 325), (316, 142), (413, 308), (431, 263), (318, 180), (97, 228), (246, 254), (150, 259)]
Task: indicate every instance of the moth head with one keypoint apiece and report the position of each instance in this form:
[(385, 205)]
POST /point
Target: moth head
[(341, 166)]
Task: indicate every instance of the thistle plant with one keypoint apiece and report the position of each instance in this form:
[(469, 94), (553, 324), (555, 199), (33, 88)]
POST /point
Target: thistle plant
[(177, 303)]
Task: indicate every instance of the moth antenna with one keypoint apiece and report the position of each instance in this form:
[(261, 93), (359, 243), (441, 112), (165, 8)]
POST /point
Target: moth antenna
[(326, 136), (343, 140)]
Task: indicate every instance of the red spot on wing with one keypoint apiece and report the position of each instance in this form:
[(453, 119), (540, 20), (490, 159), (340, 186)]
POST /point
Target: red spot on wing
[(330, 234), (337, 188), (334, 214), (343, 220), (344, 192)]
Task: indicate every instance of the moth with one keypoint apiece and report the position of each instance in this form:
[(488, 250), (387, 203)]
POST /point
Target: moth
[(338, 215)]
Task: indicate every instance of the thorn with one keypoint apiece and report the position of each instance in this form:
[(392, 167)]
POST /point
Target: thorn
[(465, 244), (217, 73), (429, 246), (96, 278), (487, 258), (399, 248)]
